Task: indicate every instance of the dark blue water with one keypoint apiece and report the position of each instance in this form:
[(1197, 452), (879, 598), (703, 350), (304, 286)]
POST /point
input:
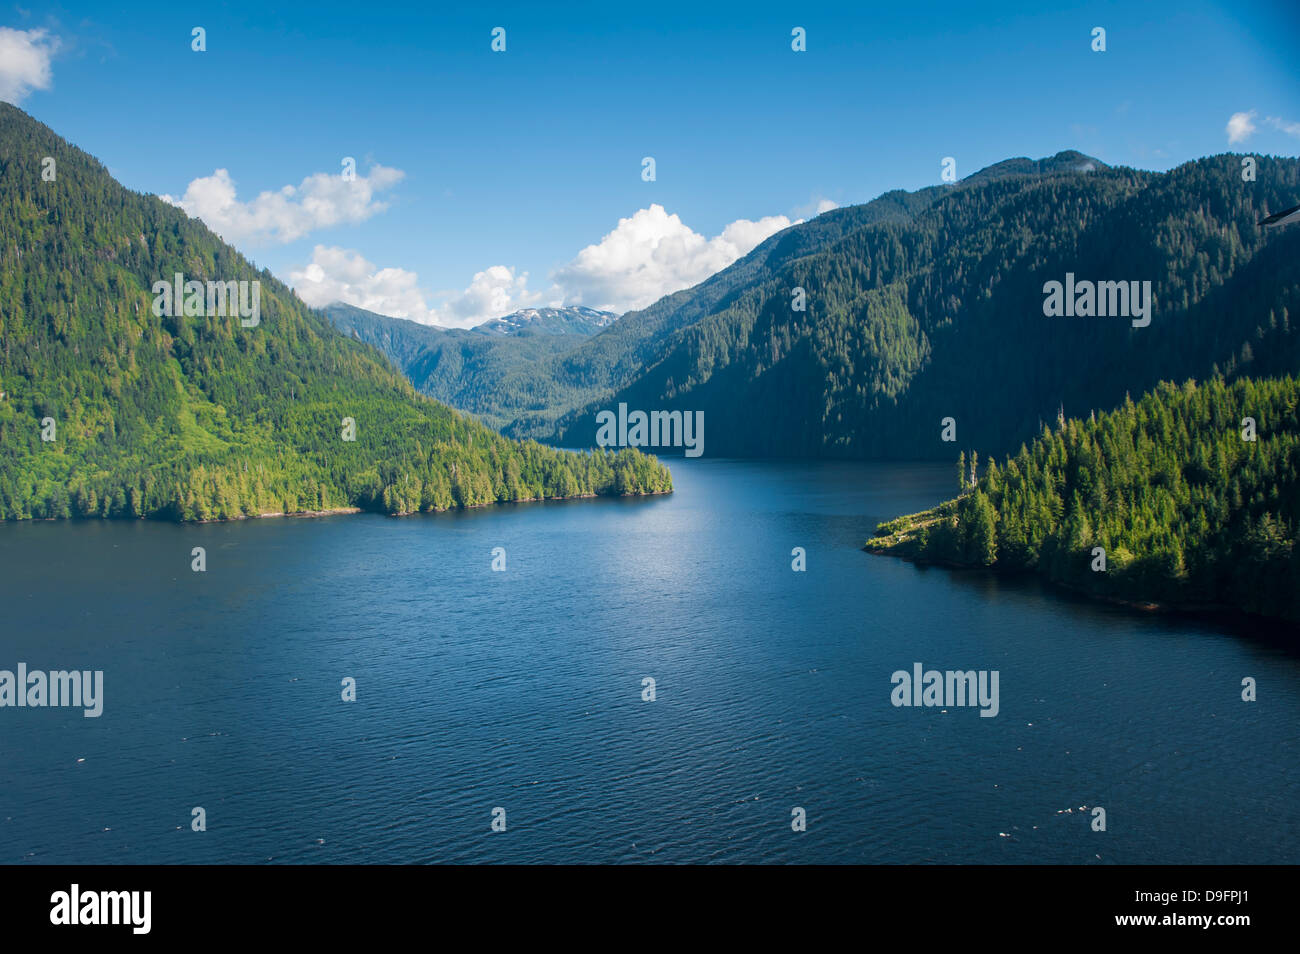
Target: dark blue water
[(523, 690)]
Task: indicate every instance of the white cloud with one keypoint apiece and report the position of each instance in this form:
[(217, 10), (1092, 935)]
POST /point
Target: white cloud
[(649, 255), (25, 57), (1283, 125), (1240, 127), (494, 292), (337, 274), (320, 201), (652, 254), (816, 205)]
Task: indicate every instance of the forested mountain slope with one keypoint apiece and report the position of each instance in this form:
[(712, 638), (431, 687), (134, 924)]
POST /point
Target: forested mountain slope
[(201, 417), (931, 305), (543, 392)]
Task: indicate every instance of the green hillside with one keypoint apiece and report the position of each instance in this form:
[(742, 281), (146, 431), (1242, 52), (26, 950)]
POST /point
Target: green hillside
[(931, 305), (1187, 512), (199, 417)]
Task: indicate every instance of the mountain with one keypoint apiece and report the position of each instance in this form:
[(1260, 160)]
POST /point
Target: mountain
[(929, 305), (543, 392), (1067, 162), (114, 403), (570, 320), (477, 370), (1189, 503)]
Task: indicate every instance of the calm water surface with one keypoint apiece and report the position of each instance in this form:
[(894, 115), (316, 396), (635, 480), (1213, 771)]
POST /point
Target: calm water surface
[(522, 689)]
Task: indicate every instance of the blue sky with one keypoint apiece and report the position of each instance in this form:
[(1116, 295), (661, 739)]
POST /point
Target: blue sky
[(475, 163)]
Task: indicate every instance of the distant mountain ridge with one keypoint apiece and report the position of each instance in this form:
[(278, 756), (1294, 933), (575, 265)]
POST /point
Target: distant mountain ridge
[(1067, 162), (466, 367), (922, 306), (569, 320), (524, 391)]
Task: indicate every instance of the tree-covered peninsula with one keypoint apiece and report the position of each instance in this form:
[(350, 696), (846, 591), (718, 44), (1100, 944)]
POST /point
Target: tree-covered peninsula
[(1187, 497)]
